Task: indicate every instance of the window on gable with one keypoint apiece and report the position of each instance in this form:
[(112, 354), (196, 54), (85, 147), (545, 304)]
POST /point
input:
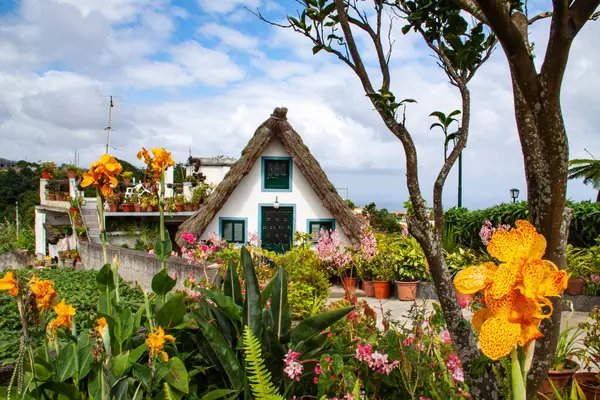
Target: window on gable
[(277, 174), (315, 227), (233, 230)]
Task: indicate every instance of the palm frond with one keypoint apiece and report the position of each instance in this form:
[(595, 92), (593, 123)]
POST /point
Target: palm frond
[(586, 169), (256, 372)]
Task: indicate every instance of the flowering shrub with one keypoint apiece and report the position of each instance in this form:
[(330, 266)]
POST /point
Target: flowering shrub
[(487, 231), (330, 251)]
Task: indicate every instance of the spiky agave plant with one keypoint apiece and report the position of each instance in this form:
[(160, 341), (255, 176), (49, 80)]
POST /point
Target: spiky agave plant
[(256, 372)]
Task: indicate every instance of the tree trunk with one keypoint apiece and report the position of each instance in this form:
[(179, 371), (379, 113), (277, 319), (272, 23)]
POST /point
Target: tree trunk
[(598, 197)]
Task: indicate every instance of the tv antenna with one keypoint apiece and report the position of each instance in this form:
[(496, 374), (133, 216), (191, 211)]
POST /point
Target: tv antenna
[(113, 101)]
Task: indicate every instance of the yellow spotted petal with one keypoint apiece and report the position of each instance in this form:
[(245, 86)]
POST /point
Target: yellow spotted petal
[(555, 281), (503, 245), (533, 276), (479, 317), (529, 332), (505, 280), (475, 278), (498, 337), (503, 306)]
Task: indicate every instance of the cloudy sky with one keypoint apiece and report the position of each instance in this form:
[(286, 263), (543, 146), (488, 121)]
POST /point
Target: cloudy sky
[(205, 73)]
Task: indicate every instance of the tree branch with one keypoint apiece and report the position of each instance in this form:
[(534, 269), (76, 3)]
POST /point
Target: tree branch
[(472, 8), (543, 15)]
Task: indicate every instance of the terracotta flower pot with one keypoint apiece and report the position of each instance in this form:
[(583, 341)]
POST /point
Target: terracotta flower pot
[(137, 207), (127, 207), (59, 197), (381, 289), (50, 196), (369, 288), (350, 283), (561, 379), (73, 210), (71, 174), (188, 207), (46, 175), (149, 209), (195, 207), (127, 181), (155, 208), (179, 207), (575, 286), (114, 207), (407, 291), (588, 382)]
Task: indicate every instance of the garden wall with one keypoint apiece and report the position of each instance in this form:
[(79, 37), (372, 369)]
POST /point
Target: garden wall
[(15, 259), (140, 266)]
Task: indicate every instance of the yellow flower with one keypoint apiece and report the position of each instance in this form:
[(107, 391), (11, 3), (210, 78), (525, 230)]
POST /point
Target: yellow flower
[(8, 282), (156, 342), (44, 293), (101, 326), (64, 318), (103, 174), (162, 159), (514, 292)]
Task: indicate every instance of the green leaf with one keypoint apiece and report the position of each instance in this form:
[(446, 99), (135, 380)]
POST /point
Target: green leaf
[(406, 28), (252, 304), (314, 325), (134, 355), (257, 374), (162, 283), (280, 309), (217, 394), (268, 290), (316, 49), (232, 286), (65, 364), (453, 113), (119, 389), (120, 364), (224, 353), (225, 303), (177, 375), (172, 312), (62, 388), (105, 278), (42, 372), (85, 357), (141, 373), (163, 248)]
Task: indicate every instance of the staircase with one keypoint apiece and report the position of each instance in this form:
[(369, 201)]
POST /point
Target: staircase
[(89, 213)]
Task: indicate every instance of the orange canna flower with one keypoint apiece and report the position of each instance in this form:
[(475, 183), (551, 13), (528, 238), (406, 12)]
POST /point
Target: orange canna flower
[(103, 174), (514, 292), (64, 318), (44, 293), (156, 341), (143, 153), (101, 327), (9, 282), (162, 159)]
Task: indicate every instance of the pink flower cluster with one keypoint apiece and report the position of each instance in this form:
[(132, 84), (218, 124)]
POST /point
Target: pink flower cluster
[(455, 368), (293, 368), (595, 278), (487, 231), (445, 336), (377, 361), (254, 239), (329, 249), (368, 243), (189, 238)]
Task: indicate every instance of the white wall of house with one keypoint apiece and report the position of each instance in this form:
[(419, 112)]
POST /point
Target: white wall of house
[(214, 173), (245, 199)]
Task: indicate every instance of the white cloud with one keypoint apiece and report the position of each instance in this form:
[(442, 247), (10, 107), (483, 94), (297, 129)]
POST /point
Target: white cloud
[(225, 6), (230, 37)]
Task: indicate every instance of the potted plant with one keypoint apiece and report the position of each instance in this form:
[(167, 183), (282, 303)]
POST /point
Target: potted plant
[(51, 190), (577, 267), (135, 202), (71, 171), (113, 201), (411, 267), (365, 271), (563, 367), (154, 203), (201, 192), (457, 261), (127, 175), (48, 168), (75, 202), (589, 382), (145, 204), (187, 206), (179, 202), (382, 275)]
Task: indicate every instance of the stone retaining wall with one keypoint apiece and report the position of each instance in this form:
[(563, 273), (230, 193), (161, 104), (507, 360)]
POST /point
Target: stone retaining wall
[(140, 266), (15, 260)]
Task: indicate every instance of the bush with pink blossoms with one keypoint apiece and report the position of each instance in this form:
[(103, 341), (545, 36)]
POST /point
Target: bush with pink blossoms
[(488, 229)]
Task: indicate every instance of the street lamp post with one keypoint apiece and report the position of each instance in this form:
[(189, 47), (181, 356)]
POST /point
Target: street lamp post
[(514, 194)]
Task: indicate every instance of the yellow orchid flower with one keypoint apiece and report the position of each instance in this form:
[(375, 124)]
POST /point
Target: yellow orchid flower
[(8, 282), (156, 341), (101, 326), (514, 292), (162, 159), (103, 174)]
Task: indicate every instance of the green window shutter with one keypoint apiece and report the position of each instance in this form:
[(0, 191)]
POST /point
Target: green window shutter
[(233, 231), (277, 174)]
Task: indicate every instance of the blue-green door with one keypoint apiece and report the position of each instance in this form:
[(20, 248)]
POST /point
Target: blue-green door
[(277, 228)]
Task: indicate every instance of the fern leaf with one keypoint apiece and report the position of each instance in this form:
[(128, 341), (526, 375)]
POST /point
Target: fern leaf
[(256, 372)]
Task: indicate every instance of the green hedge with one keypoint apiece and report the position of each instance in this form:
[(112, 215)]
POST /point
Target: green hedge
[(585, 226)]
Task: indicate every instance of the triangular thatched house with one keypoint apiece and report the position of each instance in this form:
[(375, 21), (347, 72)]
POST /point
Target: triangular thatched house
[(275, 189)]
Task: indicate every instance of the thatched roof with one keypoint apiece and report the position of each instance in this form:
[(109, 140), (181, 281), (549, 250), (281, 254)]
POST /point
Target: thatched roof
[(276, 126)]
